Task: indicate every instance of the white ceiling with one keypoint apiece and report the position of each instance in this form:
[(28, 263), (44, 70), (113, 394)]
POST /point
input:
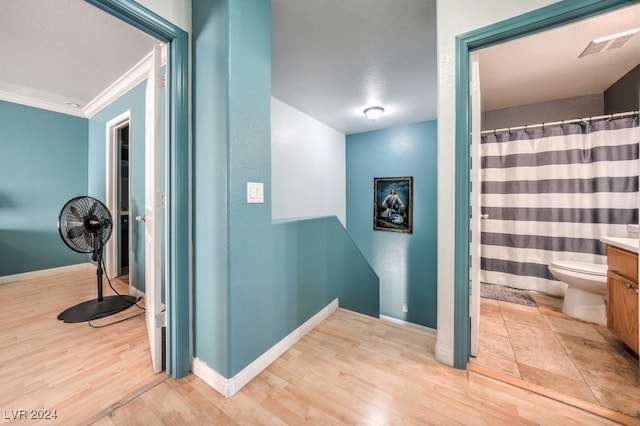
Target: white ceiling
[(546, 66), (64, 51), (333, 58), (330, 58)]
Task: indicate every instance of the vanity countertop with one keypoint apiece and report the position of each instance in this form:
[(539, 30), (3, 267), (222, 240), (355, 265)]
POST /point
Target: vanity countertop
[(630, 244)]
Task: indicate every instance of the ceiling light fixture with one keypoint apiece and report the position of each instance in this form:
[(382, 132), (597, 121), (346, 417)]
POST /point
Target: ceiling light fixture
[(374, 112), (72, 104)]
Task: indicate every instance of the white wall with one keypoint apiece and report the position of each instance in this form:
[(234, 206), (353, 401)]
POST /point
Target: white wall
[(308, 166), (456, 17)]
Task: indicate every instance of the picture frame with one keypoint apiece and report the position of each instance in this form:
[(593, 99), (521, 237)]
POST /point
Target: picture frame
[(393, 204)]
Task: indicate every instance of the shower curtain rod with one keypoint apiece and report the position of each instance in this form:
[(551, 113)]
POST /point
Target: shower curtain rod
[(587, 120)]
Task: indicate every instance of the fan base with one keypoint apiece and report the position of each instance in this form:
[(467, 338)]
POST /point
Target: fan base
[(94, 309)]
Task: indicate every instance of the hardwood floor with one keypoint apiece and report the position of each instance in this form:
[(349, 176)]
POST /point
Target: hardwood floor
[(74, 369), (351, 369)]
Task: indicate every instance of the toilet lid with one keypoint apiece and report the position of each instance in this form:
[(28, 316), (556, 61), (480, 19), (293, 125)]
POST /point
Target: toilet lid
[(582, 267)]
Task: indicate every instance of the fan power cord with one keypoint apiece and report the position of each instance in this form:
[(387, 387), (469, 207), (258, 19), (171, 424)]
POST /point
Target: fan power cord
[(113, 312), (116, 291), (115, 322), (109, 312)]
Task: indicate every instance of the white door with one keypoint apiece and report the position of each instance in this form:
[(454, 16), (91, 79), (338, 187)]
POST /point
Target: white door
[(152, 207), (476, 214)]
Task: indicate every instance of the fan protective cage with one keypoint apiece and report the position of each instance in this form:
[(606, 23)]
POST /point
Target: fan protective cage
[(84, 224)]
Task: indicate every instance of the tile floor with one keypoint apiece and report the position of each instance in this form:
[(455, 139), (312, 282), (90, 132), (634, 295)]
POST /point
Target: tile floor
[(545, 347)]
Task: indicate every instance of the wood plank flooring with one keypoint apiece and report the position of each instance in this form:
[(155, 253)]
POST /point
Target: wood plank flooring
[(73, 369), (353, 369)]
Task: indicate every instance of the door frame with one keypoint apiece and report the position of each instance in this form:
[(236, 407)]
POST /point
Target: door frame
[(176, 236), (475, 217), (554, 15), (112, 180)]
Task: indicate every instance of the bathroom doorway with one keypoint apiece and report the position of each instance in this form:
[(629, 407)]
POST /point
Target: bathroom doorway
[(538, 346)]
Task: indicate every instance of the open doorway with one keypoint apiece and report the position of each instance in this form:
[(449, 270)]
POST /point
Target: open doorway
[(123, 204), (119, 198), (553, 352), (175, 249)]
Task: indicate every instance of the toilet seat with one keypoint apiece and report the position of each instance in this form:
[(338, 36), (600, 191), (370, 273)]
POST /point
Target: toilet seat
[(580, 267)]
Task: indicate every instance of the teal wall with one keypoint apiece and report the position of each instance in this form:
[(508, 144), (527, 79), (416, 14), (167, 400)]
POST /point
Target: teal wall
[(38, 144), (43, 164), (133, 100), (210, 216), (254, 281), (405, 263)]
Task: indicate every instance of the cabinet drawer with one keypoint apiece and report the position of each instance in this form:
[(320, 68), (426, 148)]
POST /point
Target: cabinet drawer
[(623, 262)]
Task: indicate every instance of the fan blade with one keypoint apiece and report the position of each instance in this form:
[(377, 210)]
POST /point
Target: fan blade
[(85, 205), (103, 212), (76, 232), (75, 214), (88, 240), (106, 233), (92, 209)]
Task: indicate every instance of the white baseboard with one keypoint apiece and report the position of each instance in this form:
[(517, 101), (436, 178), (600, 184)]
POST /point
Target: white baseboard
[(228, 387), (45, 272), (211, 377), (444, 355), (135, 292), (408, 324)]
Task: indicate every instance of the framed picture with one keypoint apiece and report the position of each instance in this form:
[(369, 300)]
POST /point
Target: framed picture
[(393, 204)]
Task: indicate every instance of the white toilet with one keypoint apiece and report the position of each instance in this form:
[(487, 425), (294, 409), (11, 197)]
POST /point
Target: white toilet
[(587, 286)]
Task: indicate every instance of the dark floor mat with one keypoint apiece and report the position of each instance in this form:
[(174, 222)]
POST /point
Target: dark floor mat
[(506, 294)]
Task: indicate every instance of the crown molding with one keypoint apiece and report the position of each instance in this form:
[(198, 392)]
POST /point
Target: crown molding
[(37, 103), (128, 81)]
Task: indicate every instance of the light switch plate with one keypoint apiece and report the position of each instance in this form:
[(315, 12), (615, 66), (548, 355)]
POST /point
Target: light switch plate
[(255, 192)]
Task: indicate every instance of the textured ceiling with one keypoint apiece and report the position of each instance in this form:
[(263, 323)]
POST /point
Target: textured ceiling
[(333, 58), (330, 58), (64, 50), (546, 66)]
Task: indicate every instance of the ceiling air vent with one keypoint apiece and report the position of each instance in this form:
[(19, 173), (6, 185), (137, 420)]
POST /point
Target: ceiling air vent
[(607, 43)]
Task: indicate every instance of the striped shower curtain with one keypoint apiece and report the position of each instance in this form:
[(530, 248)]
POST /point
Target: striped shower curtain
[(551, 193)]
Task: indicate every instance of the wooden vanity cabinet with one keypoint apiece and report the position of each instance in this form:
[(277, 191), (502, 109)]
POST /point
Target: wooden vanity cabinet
[(622, 295)]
